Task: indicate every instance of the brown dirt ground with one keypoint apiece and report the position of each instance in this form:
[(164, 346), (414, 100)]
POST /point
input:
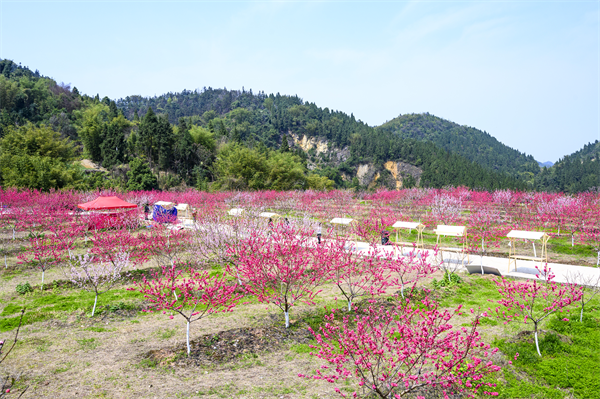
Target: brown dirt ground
[(242, 354)]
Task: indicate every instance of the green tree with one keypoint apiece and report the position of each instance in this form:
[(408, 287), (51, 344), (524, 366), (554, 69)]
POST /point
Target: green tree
[(113, 111), (113, 146), (148, 135), (203, 137), (285, 146), (166, 140), (36, 158), (93, 119), (285, 172), (140, 176), (240, 168), (184, 155)]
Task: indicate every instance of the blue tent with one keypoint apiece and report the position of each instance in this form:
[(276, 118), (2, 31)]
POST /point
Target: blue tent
[(164, 212)]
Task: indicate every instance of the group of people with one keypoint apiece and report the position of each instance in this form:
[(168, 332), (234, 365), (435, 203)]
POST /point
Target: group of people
[(318, 230), (385, 235)]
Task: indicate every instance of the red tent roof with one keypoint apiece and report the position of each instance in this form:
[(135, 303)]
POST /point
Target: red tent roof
[(106, 203)]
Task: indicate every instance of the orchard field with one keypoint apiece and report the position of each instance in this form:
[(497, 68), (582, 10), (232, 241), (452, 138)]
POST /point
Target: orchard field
[(116, 306)]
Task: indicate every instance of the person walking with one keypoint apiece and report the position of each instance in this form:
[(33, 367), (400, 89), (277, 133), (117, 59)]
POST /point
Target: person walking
[(319, 233), (385, 237), (270, 225)]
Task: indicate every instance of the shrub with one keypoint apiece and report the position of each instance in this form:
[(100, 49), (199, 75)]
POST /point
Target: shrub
[(24, 288)]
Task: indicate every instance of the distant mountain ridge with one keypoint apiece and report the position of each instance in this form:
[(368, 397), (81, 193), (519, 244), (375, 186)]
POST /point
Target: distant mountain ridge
[(547, 164), (473, 144), (184, 137), (269, 118), (589, 151), (577, 172)]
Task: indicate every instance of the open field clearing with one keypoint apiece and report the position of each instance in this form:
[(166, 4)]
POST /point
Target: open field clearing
[(109, 319)]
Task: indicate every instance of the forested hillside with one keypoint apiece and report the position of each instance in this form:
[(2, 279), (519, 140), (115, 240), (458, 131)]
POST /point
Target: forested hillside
[(258, 118), (471, 143), (577, 172), (219, 139)]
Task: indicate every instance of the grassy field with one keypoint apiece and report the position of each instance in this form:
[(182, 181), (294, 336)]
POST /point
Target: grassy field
[(123, 352)]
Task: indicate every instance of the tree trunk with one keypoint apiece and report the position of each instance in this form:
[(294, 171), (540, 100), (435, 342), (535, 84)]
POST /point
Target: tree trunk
[(94, 308), (43, 271), (187, 337), (537, 345), (287, 319), (349, 304), (481, 264), (581, 313)]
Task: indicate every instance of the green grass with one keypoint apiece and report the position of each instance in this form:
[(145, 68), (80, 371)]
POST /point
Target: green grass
[(573, 365), (88, 343), (166, 333), (570, 359), (301, 348), (578, 250), (472, 292), (44, 305)]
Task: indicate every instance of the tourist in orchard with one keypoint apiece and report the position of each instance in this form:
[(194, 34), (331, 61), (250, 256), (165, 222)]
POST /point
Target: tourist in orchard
[(319, 230), (385, 237)]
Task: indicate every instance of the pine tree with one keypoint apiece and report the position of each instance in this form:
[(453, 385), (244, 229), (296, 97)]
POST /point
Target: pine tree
[(113, 111), (182, 125), (140, 176), (235, 136), (222, 130), (113, 145), (166, 139), (184, 154), (285, 146), (148, 135)]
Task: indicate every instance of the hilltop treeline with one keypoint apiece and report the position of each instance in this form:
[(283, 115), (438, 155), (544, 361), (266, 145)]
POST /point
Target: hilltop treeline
[(212, 139)]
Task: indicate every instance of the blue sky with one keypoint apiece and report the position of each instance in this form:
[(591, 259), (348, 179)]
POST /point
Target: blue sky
[(527, 72)]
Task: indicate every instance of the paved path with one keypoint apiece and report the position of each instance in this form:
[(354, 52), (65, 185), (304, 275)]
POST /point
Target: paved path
[(584, 275)]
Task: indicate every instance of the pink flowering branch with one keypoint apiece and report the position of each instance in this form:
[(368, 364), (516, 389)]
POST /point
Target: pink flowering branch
[(97, 277), (409, 270), (283, 268), (402, 351), (590, 286), (7, 382), (533, 301), (356, 276), (198, 294), (42, 253)]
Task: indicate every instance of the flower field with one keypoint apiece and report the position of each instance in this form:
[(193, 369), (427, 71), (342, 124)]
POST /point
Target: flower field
[(250, 304)]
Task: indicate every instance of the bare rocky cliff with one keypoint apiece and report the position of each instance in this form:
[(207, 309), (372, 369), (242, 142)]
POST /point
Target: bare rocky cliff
[(321, 153)]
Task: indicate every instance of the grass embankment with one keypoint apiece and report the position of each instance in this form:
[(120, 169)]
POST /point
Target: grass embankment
[(568, 368), (570, 362)]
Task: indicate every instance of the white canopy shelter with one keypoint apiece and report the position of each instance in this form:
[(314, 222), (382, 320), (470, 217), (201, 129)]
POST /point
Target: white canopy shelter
[(410, 225), (268, 215), (342, 221), (183, 210), (235, 212), (527, 235)]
